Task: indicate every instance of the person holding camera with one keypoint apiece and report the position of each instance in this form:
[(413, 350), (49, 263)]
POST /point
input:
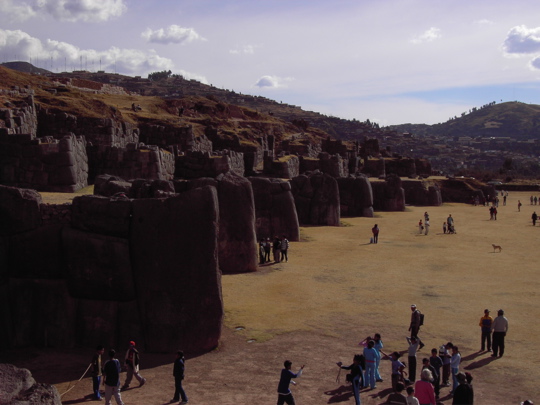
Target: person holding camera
[(356, 376)]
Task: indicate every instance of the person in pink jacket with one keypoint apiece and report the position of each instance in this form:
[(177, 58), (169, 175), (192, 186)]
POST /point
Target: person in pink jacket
[(424, 389)]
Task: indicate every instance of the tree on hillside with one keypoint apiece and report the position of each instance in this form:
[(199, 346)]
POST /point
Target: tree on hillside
[(156, 76)]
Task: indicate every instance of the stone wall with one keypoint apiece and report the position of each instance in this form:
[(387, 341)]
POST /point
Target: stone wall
[(144, 270), (44, 164), (192, 165), (334, 165), (182, 137), (316, 196), (374, 167), (97, 131), (388, 195), (275, 210), (422, 193), (132, 162), (18, 387), (402, 167), (237, 244), (284, 167), (355, 196), (20, 119)]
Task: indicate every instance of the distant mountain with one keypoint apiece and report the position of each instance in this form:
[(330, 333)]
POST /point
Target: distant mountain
[(25, 67), (511, 119)]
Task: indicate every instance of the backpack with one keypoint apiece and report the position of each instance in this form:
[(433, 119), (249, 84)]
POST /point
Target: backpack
[(421, 318)]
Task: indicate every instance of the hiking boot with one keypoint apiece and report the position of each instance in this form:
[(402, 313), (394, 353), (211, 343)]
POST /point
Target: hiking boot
[(142, 382)]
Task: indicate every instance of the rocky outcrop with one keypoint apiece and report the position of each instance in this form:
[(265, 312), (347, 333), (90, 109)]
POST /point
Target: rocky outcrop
[(275, 210), (388, 195), (19, 210), (316, 196), (355, 196), (18, 387)]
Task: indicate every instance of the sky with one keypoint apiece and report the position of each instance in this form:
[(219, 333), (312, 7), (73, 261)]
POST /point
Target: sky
[(389, 61)]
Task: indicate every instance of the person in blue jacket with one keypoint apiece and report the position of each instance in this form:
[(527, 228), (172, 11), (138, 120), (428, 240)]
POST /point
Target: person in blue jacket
[(284, 392)]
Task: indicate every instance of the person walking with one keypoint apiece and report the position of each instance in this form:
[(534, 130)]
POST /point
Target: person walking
[(485, 323), (97, 371), (284, 393), (416, 322), (111, 370), (534, 217), (375, 230), (178, 373), (499, 328), (519, 205), (357, 376), (132, 366), (267, 249)]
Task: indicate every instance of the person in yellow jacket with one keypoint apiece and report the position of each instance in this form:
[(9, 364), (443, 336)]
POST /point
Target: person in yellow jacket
[(485, 323)]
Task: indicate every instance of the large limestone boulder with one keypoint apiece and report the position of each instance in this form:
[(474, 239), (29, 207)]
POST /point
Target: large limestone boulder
[(19, 210), (388, 195), (274, 209), (355, 196), (177, 279), (316, 196), (422, 193), (237, 241), (43, 313), (237, 237), (102, 215), (98, 266), (36, 254), (18, 387)]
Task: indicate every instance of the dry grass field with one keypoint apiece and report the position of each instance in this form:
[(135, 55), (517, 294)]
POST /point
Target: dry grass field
[(336, 289)]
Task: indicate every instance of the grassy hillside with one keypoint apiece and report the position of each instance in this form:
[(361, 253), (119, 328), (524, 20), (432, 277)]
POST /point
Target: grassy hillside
[(511, 119)]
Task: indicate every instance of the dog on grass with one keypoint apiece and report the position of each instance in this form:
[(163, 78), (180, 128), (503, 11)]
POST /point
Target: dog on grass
[(495, 247)]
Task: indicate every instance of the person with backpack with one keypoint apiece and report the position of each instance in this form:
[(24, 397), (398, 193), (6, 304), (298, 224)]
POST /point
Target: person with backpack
[(132, 366), (417, 320), (111, 371)]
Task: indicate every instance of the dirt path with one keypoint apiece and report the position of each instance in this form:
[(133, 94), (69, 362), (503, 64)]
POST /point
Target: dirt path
[(335, 290)]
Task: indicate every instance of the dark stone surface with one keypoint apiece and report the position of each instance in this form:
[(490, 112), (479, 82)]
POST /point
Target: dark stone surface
[(422, 193), (42, 313), (100, 183), (275, 210), (176, 272), (13, 380), (389, 195), (102, 215), (316, 196), (19, 210), (36, 253), (98, 266), (355, 196), (4, 268), (97, 321), (237, 241)]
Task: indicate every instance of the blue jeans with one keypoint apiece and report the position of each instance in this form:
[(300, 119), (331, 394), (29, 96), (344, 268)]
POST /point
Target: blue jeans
[(377, 374), (96, 380), (455, 381), (356, 390), (370, 374)]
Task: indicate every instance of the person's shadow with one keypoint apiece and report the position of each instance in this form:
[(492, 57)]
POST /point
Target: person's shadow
[(480, 363), (340, 394)]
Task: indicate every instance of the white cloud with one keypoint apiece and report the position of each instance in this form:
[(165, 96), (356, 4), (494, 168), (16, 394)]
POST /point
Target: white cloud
[(244, 50), (484, 22), (522, 40), (174, 34), (272, 82), (63, 10), (128, 61), (428, 36)]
